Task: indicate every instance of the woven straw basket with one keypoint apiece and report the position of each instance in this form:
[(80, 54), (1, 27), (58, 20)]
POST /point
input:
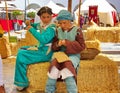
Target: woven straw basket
[(99, 75), (89, 53), (92, 49)]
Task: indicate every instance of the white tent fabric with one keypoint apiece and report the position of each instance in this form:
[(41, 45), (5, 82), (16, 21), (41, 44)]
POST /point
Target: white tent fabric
[(31, 10), (2, 5), (55, 9), (104, 10)]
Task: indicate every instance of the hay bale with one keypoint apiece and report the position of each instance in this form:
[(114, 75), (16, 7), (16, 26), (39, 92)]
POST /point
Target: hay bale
[(5, 49), (1, 31), (93, 44), (90, 34), (99, 75), (30, 39), (103, 34), (37, 76), (14, 48)]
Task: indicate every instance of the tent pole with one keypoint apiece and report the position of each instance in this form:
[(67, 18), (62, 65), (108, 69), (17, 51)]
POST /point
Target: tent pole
[(7, 19), (79, 12), (25, 12), (69, 5)]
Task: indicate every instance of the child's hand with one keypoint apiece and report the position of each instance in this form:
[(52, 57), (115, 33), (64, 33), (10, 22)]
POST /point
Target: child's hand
[(61, 42), (27, 22), (28, 27)]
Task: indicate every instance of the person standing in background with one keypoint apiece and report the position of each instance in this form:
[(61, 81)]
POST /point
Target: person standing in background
[(81, 21)]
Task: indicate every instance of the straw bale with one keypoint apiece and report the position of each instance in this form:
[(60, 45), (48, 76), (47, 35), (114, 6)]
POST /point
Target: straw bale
[(99, 75), (93, 44), (5, 50), (103, 34), (30, 39), (117, 34), (1, 30), (14, 48), (22, 42), (90, 34)]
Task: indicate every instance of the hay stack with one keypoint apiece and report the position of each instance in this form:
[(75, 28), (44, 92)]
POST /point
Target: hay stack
[(5, 49), (98, 76), (30, 40), (107, 34), (14, 48), (37, 74), (93, 44), (103, 34), (90, 34), (1, 31), (95, 76)]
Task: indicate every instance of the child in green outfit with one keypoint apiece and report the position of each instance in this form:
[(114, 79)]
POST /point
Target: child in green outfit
[(44, 32)]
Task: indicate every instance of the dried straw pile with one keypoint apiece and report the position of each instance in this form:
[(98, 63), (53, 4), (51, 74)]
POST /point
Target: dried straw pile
[(93, 44), (5, 49), (14, 48), (103, 34), (89, 34), (99, 75), (30, 40)]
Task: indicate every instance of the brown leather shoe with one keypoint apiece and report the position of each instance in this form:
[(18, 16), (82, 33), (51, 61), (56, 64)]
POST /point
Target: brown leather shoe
[(2, 89)]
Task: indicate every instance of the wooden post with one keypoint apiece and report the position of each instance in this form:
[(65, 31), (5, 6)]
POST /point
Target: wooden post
[(7, 19), (69, 5), (79, 12)]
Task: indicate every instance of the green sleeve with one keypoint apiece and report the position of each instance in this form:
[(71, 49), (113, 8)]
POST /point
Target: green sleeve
[(45, 37)]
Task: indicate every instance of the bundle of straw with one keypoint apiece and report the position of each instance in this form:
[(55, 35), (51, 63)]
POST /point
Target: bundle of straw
[(30, 39), (99, 75), (93, 44), (5, 50)]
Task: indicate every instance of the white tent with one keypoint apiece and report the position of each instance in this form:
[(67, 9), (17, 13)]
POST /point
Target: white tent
[(104, 10), (2, 5), (55, 9)]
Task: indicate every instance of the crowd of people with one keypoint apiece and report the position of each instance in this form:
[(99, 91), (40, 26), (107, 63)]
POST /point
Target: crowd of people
[(64, 38)]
